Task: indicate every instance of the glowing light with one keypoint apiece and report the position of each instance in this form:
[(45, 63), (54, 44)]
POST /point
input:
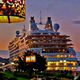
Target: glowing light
[(28, 59), (4, 6), (61, 55), (64, 60), (64, 68), (65, 55), (63, 50), (60, 60), (57, 64), (3, 64), (65, 64), (31, 59), (72, 56), (58, 56), (10, 0), (12, 63), (48, 68), (44, 50), (16, 59), (69, 55), (74, 63), (56, 68), (49, 63)]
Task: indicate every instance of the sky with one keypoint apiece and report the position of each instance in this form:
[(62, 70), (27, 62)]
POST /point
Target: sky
[(64, 12), (4, 54)]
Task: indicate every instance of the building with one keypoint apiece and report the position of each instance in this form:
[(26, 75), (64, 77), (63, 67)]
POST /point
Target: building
[(57, 48)]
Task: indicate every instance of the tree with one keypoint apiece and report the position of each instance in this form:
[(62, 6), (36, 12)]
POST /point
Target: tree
[(39, 64), (2, 76), (69, 76)]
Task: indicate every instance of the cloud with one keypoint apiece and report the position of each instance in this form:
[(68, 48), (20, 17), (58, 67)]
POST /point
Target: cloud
[(76, 21)]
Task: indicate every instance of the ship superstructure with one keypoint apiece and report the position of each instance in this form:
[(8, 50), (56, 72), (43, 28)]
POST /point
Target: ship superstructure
[(57, 48)]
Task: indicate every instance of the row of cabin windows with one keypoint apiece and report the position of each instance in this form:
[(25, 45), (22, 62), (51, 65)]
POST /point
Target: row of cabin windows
[(14, 53), (49, 37), (14, 49)]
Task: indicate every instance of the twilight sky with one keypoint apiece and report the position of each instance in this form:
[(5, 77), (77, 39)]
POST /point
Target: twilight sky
[(64, 12)]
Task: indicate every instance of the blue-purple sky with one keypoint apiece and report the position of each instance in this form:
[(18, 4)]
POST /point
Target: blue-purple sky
[(64, 12)]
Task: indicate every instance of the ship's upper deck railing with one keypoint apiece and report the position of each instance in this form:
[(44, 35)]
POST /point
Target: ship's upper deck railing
[(52, 54)]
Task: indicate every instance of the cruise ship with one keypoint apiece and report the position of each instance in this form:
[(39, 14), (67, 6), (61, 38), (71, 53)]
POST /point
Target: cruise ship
[(48, 42)]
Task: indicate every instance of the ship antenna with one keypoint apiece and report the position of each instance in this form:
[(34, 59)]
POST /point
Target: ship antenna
[(40, 17), (24, 30)]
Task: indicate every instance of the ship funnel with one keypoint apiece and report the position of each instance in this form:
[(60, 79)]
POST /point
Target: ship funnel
[(33, 25), (49, 24), (24, 30), (32, 19)]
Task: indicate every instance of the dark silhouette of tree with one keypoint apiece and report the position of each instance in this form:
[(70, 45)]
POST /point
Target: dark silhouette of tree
[(12, 78), (2, 76), (39, 65)]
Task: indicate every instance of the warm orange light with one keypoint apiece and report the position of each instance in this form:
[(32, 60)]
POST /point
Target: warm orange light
[(16, 59), (72, 56), (31, 59), (4, 6), (28, 59), (58, 56)]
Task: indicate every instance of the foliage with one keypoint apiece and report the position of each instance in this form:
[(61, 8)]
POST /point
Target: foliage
[(59, 75), (70, 76), (2, 76), (39, 65), (8, 74), (12, 78), (21, 74)]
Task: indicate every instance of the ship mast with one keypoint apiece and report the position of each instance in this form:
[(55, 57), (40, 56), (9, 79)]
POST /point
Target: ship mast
[(40, 17), (24, 30)]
